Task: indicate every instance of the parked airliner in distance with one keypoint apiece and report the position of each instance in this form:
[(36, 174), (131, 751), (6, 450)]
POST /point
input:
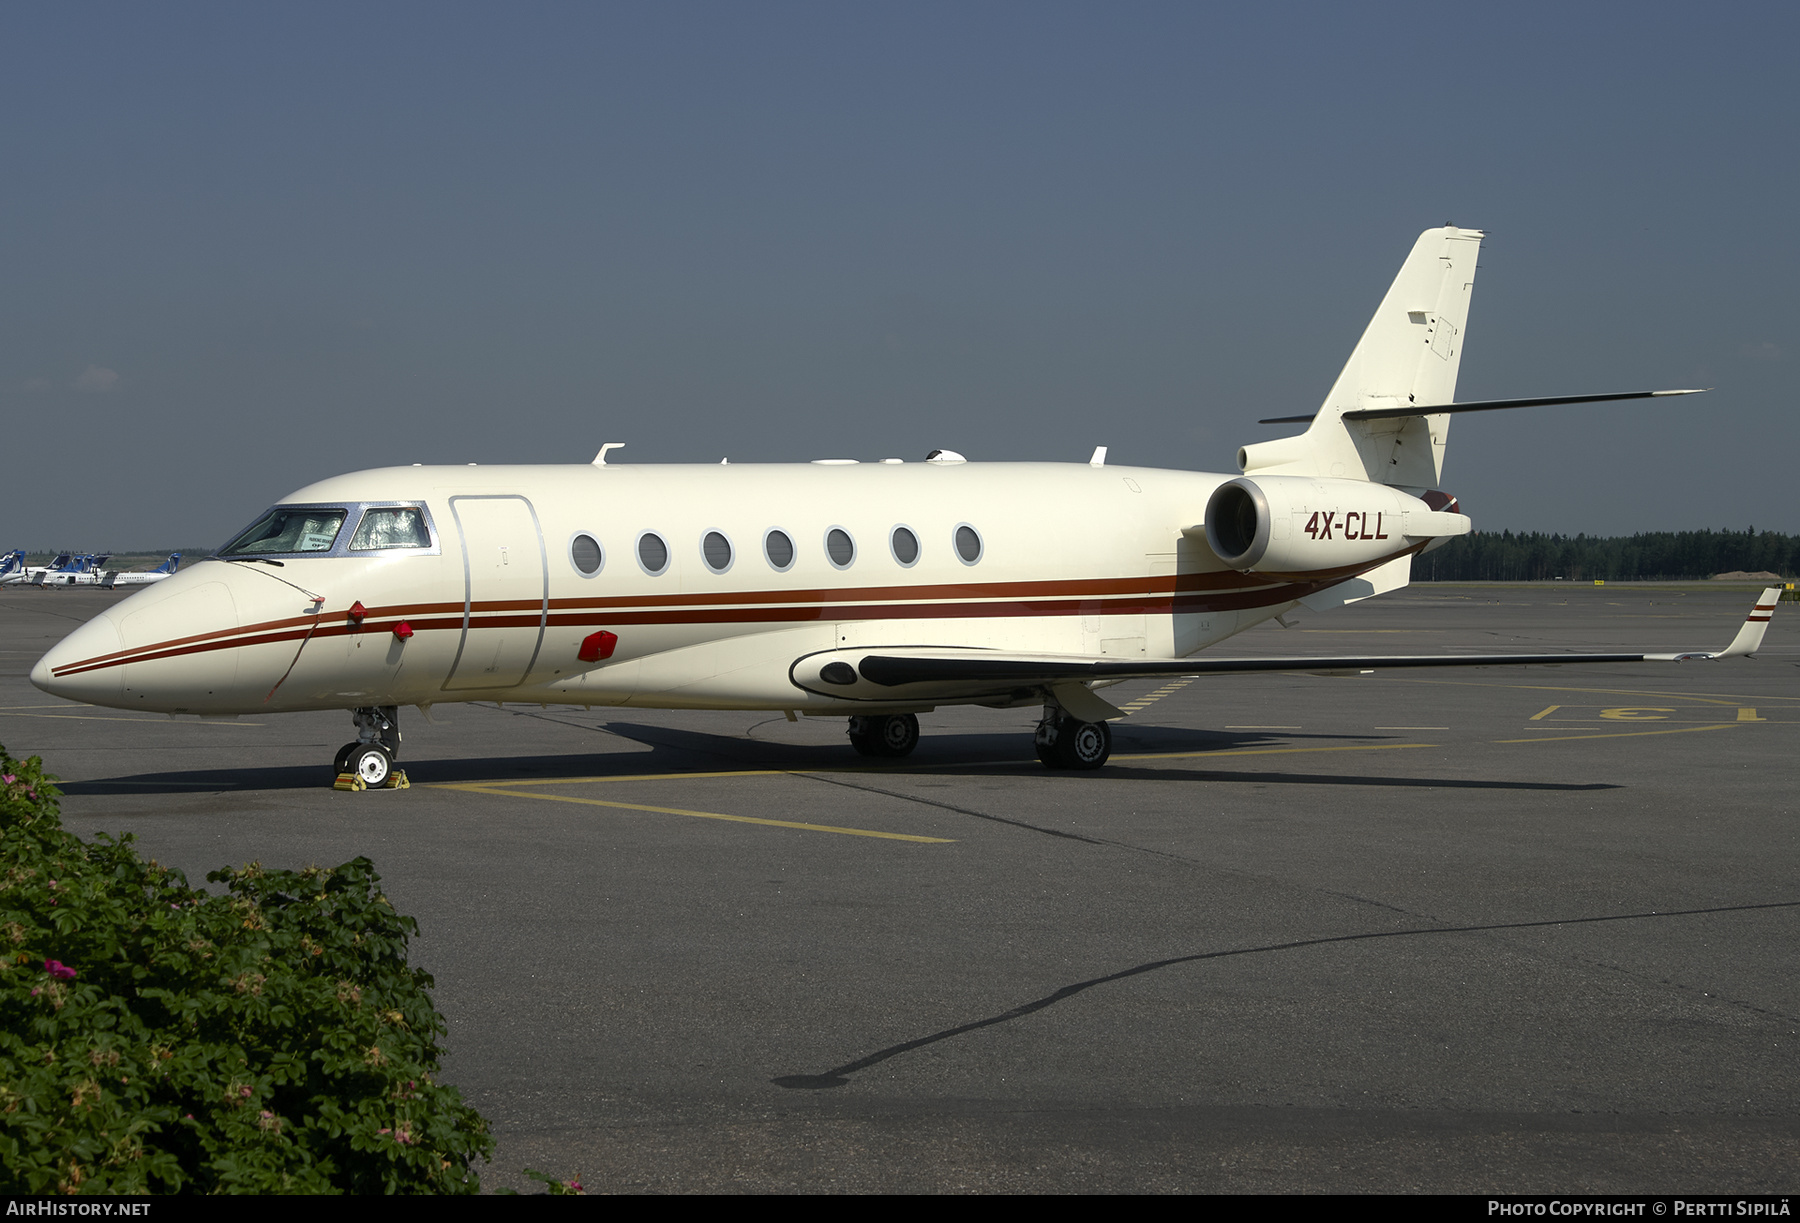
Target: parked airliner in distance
[(873, 591), (25, 574), (114, 578), (68, 570)]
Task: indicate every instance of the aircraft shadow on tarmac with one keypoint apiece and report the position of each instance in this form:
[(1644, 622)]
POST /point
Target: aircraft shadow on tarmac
[(673, 750)]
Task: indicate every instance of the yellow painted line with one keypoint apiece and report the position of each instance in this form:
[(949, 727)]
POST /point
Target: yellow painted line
[(1541, 714), (582, 781), (1627, 734), (1268, 751), (1148, 699), (702, 815), (1615, 721), (1701, 698)]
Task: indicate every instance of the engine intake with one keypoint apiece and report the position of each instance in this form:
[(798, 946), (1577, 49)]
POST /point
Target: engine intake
[(1294, 525)]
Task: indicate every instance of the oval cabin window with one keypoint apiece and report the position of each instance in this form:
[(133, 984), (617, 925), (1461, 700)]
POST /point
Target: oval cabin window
[(716, 549), (653, 553), (840, 548), (905, 545), (780, 550), (968, 544), (586, 555)]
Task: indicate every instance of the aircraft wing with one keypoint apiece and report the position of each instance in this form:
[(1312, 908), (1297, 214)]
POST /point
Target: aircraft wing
[(901, 674)]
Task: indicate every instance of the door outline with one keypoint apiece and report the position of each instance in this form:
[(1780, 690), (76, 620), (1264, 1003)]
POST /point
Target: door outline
[(469, 584)]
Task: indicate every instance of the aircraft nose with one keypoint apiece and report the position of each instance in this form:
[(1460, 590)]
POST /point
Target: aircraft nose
[(77, 667)]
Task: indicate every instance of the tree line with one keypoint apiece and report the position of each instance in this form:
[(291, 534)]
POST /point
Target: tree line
[(1506, 556)]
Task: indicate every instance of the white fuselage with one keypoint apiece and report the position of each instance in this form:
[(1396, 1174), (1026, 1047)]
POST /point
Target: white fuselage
[(1073, 559)]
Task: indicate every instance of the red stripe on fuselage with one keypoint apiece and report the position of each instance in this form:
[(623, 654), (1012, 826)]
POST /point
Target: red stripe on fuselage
[(278, 631), (1184, 594)]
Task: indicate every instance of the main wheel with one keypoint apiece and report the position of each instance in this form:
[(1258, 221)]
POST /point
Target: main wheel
[(891, 735), (373, 763), (863, 736), (899, 734), (1083, 745), (1045, 742)]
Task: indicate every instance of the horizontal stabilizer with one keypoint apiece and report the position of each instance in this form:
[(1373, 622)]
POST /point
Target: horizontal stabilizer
[(1480, 405)]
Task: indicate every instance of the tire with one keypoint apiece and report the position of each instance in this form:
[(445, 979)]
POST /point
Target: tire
[(899, 734), (341, 762), (863, 736), (890, 736), (1083, 745), (1045, 743), (373, 763)]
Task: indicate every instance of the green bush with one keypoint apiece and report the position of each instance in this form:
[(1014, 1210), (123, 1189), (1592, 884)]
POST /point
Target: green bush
[(156, 1038)]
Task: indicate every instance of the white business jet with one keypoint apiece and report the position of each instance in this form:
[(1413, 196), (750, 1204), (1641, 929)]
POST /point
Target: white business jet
[(874, 591)]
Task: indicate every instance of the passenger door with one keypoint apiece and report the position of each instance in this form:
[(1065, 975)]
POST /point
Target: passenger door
[(506, 591)]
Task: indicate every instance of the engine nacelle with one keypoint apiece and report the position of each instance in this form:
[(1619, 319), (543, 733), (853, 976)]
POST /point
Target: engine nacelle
[(1298, 524)]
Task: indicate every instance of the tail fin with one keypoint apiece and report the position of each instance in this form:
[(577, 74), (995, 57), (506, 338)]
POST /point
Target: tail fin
[(1409, 353), (170, 565)]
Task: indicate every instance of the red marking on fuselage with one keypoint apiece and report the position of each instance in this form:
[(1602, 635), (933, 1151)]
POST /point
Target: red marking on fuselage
[(1184, 594)]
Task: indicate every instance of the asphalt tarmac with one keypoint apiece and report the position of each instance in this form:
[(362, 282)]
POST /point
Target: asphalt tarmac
[(1501, 930)]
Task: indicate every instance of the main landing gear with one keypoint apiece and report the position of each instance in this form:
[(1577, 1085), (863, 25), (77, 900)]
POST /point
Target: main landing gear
[(892, 735), (368, 763), (1064, 743)]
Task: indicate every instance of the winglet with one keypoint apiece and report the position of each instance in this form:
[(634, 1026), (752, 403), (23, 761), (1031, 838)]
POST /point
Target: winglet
[(1755, 625), (1749, 638)]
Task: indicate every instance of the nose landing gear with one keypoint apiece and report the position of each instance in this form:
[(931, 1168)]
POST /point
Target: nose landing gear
[(368, 763)]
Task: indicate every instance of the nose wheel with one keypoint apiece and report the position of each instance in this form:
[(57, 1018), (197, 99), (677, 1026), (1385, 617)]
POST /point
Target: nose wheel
[(368, 763)]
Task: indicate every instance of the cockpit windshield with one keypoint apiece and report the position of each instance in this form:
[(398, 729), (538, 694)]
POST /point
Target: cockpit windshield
[(285, 531), (391, 527)]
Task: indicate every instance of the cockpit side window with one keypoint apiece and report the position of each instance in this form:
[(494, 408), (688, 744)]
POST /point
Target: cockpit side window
[(391, 527), (288, 531)]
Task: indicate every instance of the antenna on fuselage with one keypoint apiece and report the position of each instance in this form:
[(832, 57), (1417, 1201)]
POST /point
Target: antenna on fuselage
[(600, 459)]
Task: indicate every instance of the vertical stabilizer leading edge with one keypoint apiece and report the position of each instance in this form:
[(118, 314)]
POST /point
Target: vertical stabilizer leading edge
[(1408, 354)]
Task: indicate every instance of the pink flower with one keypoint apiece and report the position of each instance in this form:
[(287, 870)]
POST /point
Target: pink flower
[(60, 971)]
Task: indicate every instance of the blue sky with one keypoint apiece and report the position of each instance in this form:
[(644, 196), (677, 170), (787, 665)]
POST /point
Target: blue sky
[(246, 247)]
